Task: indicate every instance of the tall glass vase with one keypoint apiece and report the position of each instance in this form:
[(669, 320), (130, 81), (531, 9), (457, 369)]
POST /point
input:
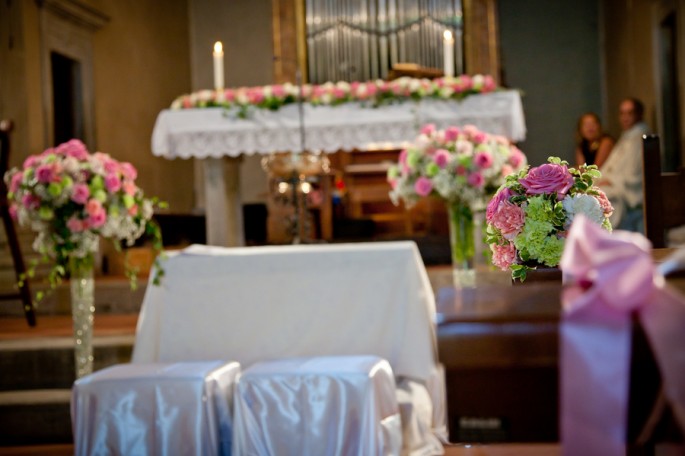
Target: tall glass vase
[(82, 310), (462, 244)]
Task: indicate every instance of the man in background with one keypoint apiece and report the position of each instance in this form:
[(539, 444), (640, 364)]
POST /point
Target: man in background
[(622, 172)]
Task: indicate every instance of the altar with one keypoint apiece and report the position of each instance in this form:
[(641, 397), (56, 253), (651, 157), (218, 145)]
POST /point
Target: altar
[(219, 137)]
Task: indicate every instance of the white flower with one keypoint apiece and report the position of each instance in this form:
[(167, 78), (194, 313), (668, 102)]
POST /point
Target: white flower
[(267, 91), (583, 204)]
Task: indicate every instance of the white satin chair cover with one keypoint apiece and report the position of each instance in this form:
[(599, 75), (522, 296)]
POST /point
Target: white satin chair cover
[(263, 303), (334, 405), (155, 409)]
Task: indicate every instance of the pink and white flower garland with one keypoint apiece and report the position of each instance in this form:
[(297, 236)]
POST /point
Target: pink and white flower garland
[(374, 92)]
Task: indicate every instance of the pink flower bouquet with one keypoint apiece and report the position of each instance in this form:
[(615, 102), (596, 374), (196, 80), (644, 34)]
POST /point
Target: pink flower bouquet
[(461, 165), (71, 197), (458, 164), (529, 216)]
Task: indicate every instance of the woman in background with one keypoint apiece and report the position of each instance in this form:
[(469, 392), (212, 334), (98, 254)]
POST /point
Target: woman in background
[(592, 144)]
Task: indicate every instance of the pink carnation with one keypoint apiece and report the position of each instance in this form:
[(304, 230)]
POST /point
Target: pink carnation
[(480, 137), (506, 170), (423, 186), (278, 91), (75, 225), (509, 219), (476, 179), (97, 218), (488, 84), (441, 157), (73, 148), (502, 195), (112, 183), (483, 159), (548, 178), (30, 162), (503, 256), (93, 206), (128, 170), (604, 202), (80, 193), (428, 129), (129, 188)]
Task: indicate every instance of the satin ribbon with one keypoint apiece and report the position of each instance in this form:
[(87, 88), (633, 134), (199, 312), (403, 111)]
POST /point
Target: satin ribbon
[(611, 276)]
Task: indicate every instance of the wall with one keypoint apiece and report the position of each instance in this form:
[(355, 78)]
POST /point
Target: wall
[(244, 28), (629, 56), (141, 64), (550, 51)]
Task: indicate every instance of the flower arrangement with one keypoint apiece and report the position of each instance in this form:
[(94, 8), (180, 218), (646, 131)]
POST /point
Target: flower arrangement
[(71, 197), (375, 93), (462, 166), (457, 164), (529, 216)]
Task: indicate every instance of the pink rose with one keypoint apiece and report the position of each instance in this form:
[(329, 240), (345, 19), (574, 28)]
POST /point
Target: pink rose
[(517, 158), (480, 137), (73, 148), (229, 95), (371, 89), (488, 84), (93, 206), (80, 193), (393, 183), (75, 225), (441, 157), (428, 129), (30, 202), (112, 183), (423, 186), (509, 219), (44, 174), (403, 156), (15, 183), (133, 210), (97, 218), (278, 91), (483, 160), (339, 93), (128, 170), (503, 256), (255, 95), (187, 103), (502, 195), (451, 134), (475, 179), (506, 170), (548, 178)]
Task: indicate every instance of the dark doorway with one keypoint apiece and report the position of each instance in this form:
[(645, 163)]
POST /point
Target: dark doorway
[(67, 100), (668, 66)]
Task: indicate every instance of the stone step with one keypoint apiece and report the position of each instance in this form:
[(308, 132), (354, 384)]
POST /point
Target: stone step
[(37, 417), (113, 295), (45, 363)]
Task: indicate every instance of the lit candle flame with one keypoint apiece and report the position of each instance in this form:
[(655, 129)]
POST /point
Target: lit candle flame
[(447, 35), (218, 47)]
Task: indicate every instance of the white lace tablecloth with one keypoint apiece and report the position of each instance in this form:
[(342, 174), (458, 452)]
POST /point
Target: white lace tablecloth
[(215, 132)]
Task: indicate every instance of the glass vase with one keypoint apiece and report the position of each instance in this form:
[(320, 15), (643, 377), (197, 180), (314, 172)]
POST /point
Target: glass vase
[(82, 309), (462, 244)]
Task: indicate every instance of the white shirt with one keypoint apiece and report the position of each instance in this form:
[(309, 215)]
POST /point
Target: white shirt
[(623, 172)]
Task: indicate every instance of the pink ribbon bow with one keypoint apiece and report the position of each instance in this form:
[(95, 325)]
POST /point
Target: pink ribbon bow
[(611, 276)]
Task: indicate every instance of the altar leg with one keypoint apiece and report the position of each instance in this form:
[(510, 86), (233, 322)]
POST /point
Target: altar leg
[(223, 208)]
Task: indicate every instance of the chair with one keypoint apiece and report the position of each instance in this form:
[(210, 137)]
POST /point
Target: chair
[(664, 202), (24, 292)]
